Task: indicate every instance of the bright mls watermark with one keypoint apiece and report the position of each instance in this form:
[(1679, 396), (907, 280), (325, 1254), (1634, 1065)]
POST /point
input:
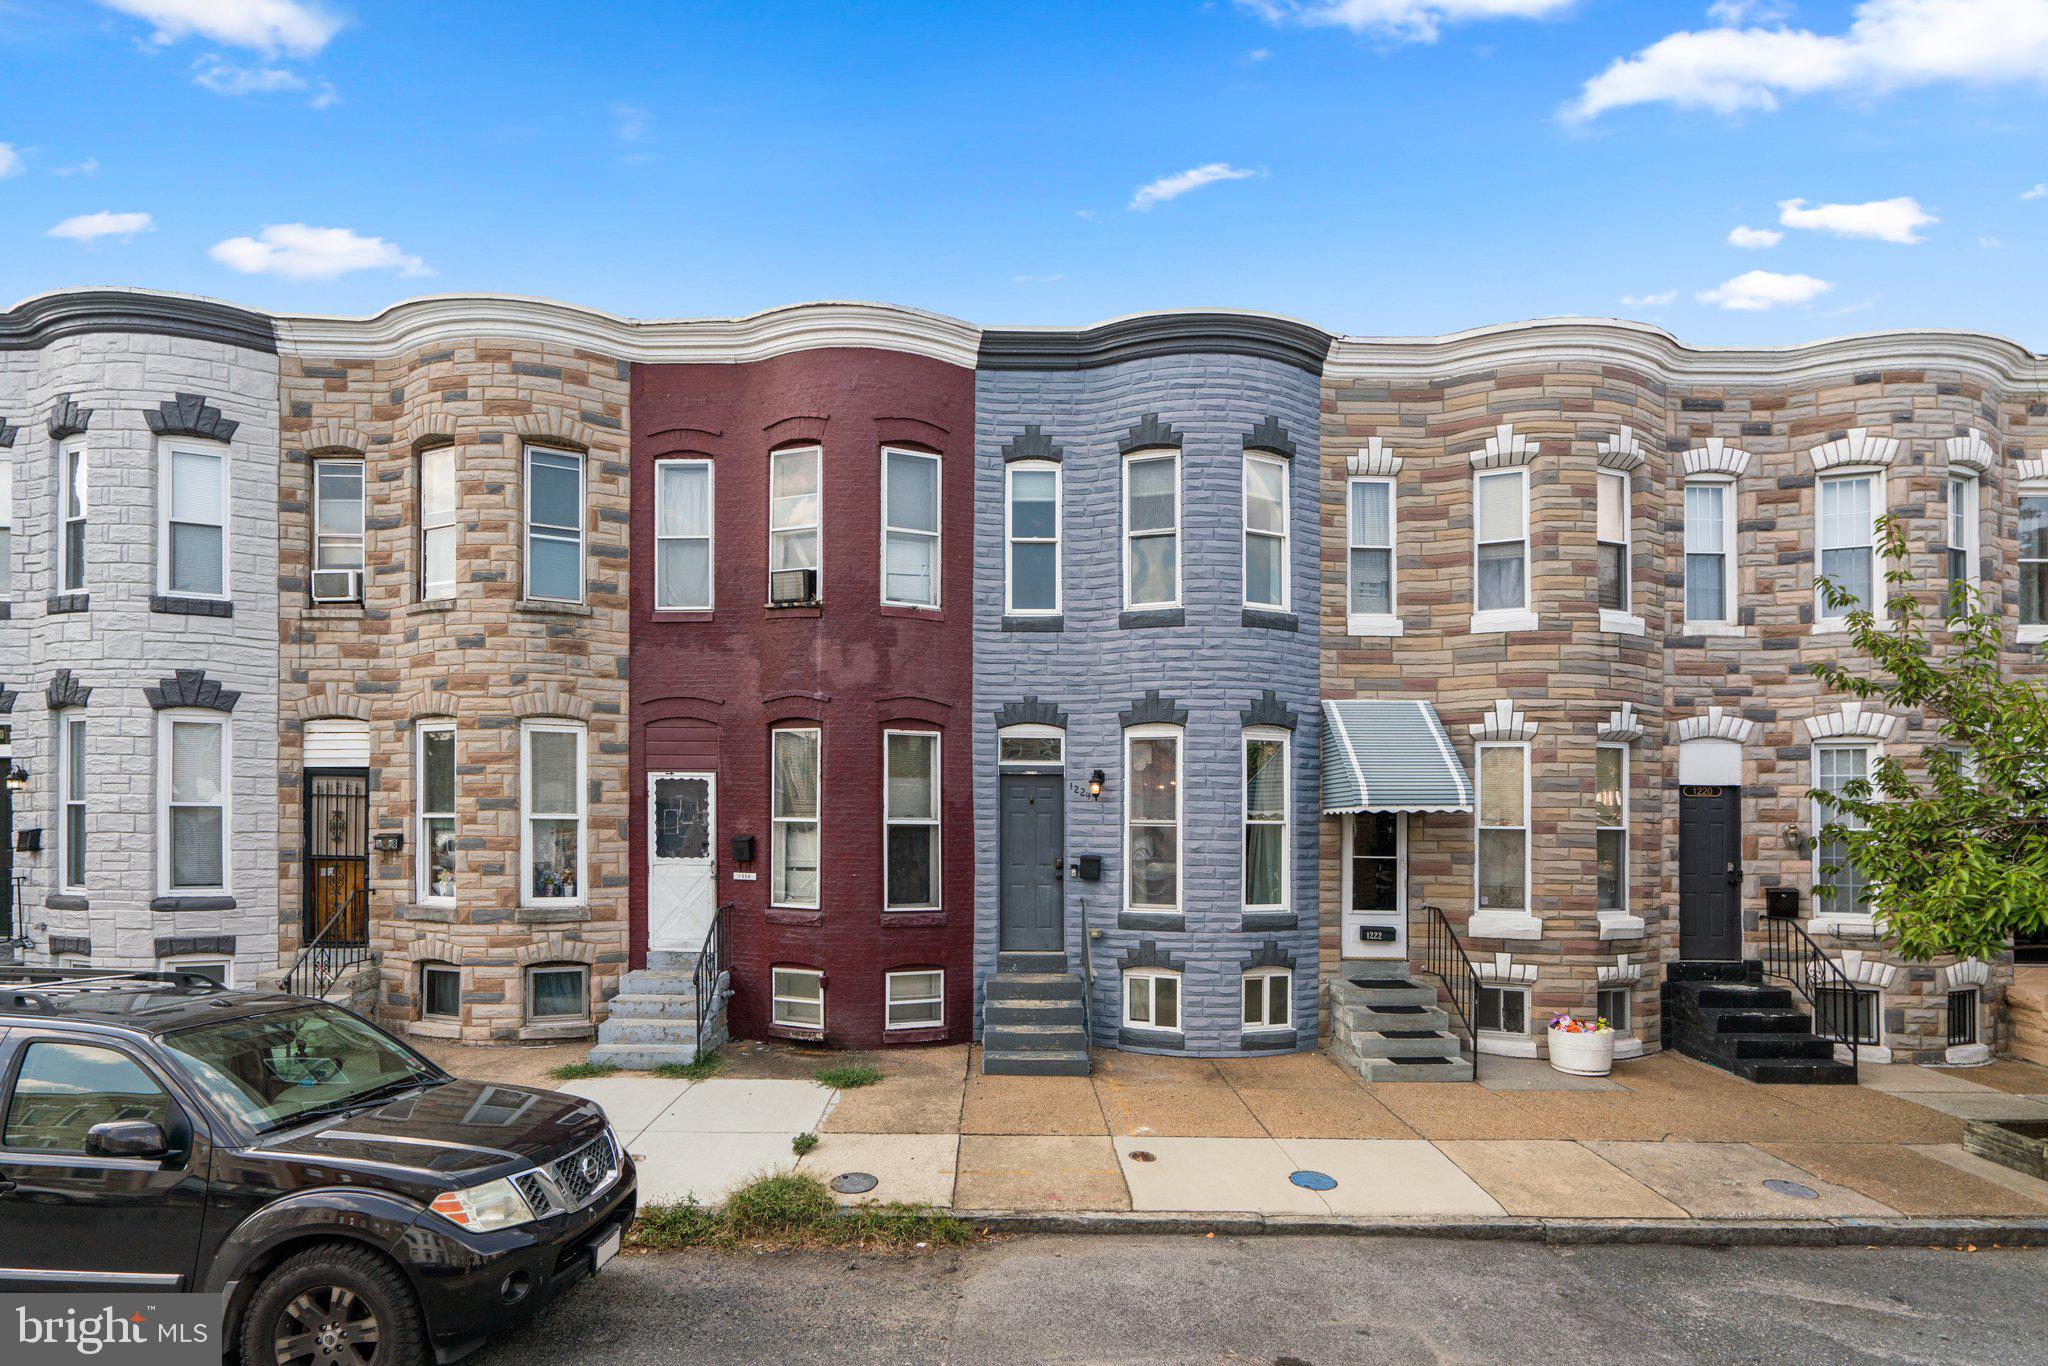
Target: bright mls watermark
[(110, 1330)]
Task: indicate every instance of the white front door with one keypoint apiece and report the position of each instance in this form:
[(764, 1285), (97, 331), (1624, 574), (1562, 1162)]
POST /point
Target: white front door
[(1376, 885), (683, 876)]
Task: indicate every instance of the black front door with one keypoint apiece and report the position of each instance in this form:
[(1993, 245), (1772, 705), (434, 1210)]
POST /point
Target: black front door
[(1033, 844), (1710, 872)]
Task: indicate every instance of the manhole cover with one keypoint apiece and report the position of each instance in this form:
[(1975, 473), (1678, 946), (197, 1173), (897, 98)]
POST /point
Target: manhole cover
[(853, 1183), (1140, 1155), (1793, 1189), (1315, 1181)]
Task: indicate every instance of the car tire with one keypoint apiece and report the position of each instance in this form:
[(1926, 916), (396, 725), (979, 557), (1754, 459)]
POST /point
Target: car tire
[(334, 1305)]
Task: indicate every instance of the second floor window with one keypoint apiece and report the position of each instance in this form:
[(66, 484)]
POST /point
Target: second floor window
[(1707, 557), (1369, 527), (793, 812), (337, 530), (435, 839), (1612, 535), (910, 529), (910, 814), (2034, 557), (554, 525), (194, 830), (1503, 827), (793, 510), (1503, 541), (6, 527), (1265, 532), (76, 501), (1847, 546), (1033, 579), (1152, 529), (437, 523), (682, 535), (1962, 534), (193, 546)]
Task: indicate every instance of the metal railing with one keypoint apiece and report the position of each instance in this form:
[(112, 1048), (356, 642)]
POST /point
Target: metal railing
[(1445, 959), (712, 962), (323, 961), (1087, 982), (1790, 954)]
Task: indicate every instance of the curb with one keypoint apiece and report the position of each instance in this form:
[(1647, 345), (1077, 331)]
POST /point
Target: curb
[(1561, 1232)]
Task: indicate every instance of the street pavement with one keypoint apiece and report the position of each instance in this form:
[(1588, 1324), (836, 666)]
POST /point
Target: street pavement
[(1297, 1301)]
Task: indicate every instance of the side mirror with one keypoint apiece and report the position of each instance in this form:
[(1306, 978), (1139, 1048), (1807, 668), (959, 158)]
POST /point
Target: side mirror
[(127, 1138)]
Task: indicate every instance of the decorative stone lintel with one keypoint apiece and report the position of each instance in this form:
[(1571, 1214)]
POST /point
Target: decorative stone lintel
[(1717, 724), (1505, 449), (2033, 471), (1270, 435), (1147, 432), (1502, 969), (1030, 712), (191, 688), (1622, 451), (1864, 970), (1971, 972), (1375, 457), (1716, 457), (1153, 710), (1268, 710), (1623, 726), (1852, 720), (1031, 444), (1972, 451), (66, 691), (1620, 973), (1856, 447), (190, 415), (68, 419), (1503, 723)]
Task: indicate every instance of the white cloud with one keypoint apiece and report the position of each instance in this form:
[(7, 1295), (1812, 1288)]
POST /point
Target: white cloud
[(1990, 243), (298, 27), (223, 77), (89, 167), (1037, 279), (91, 227), (1658, 300), (631, 123), (1180, 183), (1757, 290), (1754, 238), (1890, 45), (1415, 20), (1734, 12), (1258, 54), (2038, 192), (1885, 220), (10, 160), (298, 252)]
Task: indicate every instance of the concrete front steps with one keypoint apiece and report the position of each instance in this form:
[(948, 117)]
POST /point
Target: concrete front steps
[(1724, 1015), (1033, 1023), (1389, 1027), (653, 1019)]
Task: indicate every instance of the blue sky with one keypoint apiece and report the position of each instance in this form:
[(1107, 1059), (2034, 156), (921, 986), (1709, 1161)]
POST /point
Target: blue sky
[(1375, 166)]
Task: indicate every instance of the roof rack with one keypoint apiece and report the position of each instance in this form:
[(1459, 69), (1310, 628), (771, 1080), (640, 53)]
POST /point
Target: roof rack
[(37, 993)]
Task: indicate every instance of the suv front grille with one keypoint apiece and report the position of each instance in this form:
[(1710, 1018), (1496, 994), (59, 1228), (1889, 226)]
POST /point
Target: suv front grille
[(582, 1173), (537, 1194)]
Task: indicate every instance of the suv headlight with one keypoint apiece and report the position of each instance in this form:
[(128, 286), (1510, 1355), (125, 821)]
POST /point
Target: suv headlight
[(482, 1209)]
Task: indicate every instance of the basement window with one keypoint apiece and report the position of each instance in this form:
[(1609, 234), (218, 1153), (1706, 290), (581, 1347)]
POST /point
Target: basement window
[(1844, 1011)]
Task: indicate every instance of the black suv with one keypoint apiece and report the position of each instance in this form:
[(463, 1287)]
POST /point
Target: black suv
[(352, 1202)]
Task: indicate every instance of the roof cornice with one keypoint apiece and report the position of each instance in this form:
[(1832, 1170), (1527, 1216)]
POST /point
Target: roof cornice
[(443, 318), (1142, 336), (40, 319)]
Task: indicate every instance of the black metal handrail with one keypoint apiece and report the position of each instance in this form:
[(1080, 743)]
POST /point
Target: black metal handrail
[(1087, 982), (1446, 961), (710, 968), (323, 961), (1790, 954)]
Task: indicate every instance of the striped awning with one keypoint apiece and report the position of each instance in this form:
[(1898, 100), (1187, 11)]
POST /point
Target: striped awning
[(1383, 755)]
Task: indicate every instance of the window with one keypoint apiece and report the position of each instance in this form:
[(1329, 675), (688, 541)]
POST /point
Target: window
[(440, 992), (193, 549), (1709, 585), (1268, 999), (1847, 546), (795, 818), (916, 1000), (552, 793), (63, 1089), (554, 525), (557, 992), (1613, 1005), (2034, 557), (910, 529), (1503, 544), (1152, 818), (434, 841), (1844, 889), (1265, 820), (193, 759), (1033, 579), (71, 794), (1962, 1017), (1846, 1012), (799, 998), (1962, 535), (682, 535), (437, 523), (1612, 536), (793, 510), (1036, 746), (76, 503), (337, 530), (1610, 818), (1502, 1010), (1503, 827), (1152, 1000), (1152, 529), (1376, 861), (1370, 528), (1265, 532), (219, 971), (6, 527), (910, 815)]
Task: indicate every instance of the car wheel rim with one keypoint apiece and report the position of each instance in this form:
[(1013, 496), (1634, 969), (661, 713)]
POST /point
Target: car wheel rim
[(328, 1325)]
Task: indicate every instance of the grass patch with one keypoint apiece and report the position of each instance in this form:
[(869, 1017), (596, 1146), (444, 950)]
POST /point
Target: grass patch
[(582, 1071), (803, 1143), (847, 1078), (707, 1065), (794, 1209)]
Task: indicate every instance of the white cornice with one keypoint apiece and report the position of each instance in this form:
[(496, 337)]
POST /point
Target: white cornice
[(445, 318)]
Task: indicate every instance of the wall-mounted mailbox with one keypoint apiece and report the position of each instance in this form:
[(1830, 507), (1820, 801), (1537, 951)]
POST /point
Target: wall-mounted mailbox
[(742, 848), (388, 843), (1088, 867), (1781, 902), (1376, 934)]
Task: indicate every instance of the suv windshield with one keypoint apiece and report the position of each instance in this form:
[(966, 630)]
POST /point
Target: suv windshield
[(271, 1071)]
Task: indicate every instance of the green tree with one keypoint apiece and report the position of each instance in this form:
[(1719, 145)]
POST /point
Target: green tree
[(1955, 855)]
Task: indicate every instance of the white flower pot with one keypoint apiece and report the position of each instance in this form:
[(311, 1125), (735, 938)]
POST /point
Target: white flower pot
[(1582, 1055)]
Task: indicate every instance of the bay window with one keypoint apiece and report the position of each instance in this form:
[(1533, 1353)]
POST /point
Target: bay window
[(910, 529), (1265, 820), (1032, 580), (1265, 532), (337, 531), (551, 822), (1502, 535), (71, 797), (1152, 529), (1612, 538), (910, 819), (1709, 580), (75, 503), (1152, 818), (1152, 1000), (554, 525), (192, 548), (1369, 529), (1846, 547), (437, 523), (793, 813), (1610, 819), (682, 535), (192, 833), (434, 841), (1268, 999), (1504, 827)]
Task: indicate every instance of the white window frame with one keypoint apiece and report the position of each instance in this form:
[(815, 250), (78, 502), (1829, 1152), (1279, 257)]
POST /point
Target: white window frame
[(890, 1000), (1265, 735), (199, 962), (935, 535), (1620, 620), (1971, 520), (1726, 625), (1495, 619), (2032, 632), (187, 716), (1011, 540), (1624, 908), (1827, 916), (816, 526), (73, 748), (1387, 623), (1129, 536), (1506, 989), (1265, 978), (320, 539), (1133, 977), (1503, 922), (1623, 1021), (1031, 732), (425, 996), (1285, 536), (442, 522), (890, 819), (6, 526), (777, 996), (1822, 622), (422, 844), (776, 823), (1858, 994), (1180, 861), (709, 538), (73, 484), (527, 814), (531, 531), (167, 451), (532, 975), (1347, 916)]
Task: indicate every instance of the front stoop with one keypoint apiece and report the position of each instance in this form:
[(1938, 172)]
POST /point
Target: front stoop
[(1388, 1026), (1034, 1023), (1724, 1015), (653, 1020)]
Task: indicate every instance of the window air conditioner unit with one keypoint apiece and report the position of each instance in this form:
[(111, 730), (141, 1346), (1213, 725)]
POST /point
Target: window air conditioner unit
[(792, 587), (337, 585)]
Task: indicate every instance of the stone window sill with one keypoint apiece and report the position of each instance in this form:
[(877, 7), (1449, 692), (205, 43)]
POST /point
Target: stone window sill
[(1151, 1038), (1172, 922), (217, 902), (1503, 925), (2033, 635), (1049, 624), (1255, 921), (911, 611), (1843, 926), (926, 1034), (427, 606), (1723, 630), (67, 901), (1620, 925), (543, 607), (1266, 619), (784, 915), (1373, 624), (1498, 623), (67, 602), (1143, 618), (433, 1029), (436, 913), (1621, 623), (172, 605), (551, 915), (332, 611), (912, 919), (1268, 1040), (684, 614), (562, 1029)]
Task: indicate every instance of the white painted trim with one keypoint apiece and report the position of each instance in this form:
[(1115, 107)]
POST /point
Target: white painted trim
[(935, 824), (167, 450), (1374, 458), (1717, 723), (1124, 528), (1180, 999), (1522, 618), (1622, 451), (527, 730), (936, 535), (194, 716), (1285, 537), (60, 553), (1347, 947), (1387, 623), (1504, 922), (1265, 996), (1505, 449), (1972, 451), (710, 536), (1855, 448), (888, 998), (1010, 542), (1285, 739), (1880, 490), (776, 998), (816, 818), (1623, 618), (1716, 457), (526, 533), (1180, 820), (420, 815), (817, 454)]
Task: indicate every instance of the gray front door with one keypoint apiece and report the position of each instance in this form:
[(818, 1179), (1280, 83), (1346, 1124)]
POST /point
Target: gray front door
[(1033, 844)]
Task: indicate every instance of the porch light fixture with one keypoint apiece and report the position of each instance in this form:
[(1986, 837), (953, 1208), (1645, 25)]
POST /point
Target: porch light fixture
[(17, 780), (1095, 781)]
